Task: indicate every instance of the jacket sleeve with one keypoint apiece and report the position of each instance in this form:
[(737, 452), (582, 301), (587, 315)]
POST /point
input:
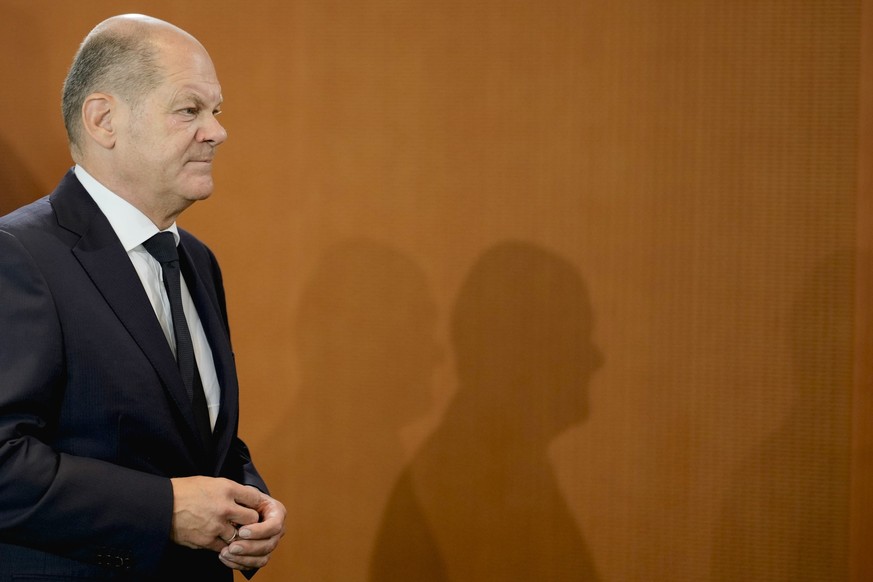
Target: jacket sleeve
[(77, 507)]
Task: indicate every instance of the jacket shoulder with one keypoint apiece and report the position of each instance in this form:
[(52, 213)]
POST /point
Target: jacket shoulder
[(35, 215)]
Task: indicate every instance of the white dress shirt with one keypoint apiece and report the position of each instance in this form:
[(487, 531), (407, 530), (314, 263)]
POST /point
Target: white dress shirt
[(134, 228)]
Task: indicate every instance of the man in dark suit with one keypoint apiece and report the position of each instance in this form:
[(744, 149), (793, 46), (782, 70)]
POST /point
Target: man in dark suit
[(116, 463)]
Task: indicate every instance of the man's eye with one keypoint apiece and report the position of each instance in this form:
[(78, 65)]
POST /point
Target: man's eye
[(190, 111)]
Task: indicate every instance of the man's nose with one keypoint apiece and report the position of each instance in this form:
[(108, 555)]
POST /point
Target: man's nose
[(213, 132)]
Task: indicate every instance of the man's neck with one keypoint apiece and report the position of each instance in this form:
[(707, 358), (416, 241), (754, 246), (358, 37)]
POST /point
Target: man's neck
[(161, 217)]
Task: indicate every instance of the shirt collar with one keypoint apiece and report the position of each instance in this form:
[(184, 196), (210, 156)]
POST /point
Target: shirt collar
[(131, 226)]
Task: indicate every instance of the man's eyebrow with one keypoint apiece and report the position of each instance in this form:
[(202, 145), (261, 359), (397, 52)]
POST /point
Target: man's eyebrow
[(197, 99)]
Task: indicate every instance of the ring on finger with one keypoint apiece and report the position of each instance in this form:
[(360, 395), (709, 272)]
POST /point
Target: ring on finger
[(233, 537)]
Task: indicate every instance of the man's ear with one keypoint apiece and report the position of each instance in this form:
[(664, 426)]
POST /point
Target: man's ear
[(98, 118)]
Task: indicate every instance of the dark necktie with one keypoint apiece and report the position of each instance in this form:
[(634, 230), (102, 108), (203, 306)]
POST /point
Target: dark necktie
[(162, 247)]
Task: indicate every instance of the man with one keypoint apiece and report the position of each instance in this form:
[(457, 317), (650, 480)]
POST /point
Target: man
[(117, 460)]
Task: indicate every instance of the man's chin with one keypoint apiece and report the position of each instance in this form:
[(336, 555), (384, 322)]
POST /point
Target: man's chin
[(199, 191)]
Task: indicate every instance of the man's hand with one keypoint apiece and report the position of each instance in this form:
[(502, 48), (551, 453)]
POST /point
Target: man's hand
[(256, 540), (207, 510)]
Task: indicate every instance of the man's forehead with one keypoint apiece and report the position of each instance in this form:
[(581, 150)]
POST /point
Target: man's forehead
[(186, 61), (200, 93)]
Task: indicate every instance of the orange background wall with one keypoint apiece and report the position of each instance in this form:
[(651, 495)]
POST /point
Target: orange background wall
[(531, 290)]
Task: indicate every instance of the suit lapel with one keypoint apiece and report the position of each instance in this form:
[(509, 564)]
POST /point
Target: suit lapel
[(208, 310), (101, 255)]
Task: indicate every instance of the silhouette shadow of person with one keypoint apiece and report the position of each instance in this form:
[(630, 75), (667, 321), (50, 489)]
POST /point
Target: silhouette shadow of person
[(32, 122), (480, 500), (16, 183), (786, 517), (366, 347)]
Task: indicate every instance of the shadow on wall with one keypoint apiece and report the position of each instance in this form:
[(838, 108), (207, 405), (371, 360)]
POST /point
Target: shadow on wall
[(787, 516), (366, 346), (18, 187), (480, 500), (28, 118)]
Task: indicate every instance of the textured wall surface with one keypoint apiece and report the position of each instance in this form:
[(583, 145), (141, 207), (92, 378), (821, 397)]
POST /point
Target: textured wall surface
[(558, 290)]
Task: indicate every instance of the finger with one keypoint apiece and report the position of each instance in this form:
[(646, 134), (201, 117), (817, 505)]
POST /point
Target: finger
[(216, 545), (272, 521), (248, 496), (245, 557), (269, 528), (243, 515), (256, 564), (253, 548), (222, 537), (232, 536)]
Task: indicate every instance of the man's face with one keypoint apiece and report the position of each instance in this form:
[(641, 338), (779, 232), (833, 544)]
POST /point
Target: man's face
[(168, 141)]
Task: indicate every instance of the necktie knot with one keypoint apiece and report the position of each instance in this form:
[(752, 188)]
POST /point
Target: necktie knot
[(162, 247)]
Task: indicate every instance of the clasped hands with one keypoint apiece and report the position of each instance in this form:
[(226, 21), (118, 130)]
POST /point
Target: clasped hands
[(239, 522)]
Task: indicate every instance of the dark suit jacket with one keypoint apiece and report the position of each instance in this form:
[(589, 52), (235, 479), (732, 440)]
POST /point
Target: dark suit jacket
[(94, 417)]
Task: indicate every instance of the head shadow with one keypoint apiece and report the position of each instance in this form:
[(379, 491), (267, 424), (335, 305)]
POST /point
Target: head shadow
[(366, 350), (786, 515), (480, 500), (26, 131), (521, 332), (17, 184)]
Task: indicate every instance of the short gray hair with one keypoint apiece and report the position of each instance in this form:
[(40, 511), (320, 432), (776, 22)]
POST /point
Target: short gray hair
[(124, 63)]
